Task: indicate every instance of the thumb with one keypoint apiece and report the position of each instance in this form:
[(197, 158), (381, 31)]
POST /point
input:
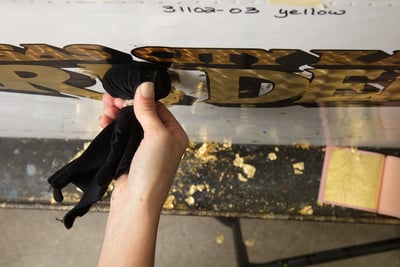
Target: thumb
[(145, 107)]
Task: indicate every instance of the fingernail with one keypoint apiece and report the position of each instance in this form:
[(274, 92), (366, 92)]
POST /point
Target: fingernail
[(147, 90)]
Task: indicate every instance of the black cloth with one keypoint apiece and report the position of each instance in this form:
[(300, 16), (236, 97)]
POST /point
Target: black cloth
[(109, 155)]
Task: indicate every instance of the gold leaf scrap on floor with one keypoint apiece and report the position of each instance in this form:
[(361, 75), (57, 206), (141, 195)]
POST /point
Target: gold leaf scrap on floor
[(249, 242), (219, 239)]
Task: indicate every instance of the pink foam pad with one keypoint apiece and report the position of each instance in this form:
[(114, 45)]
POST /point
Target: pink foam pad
[(389, 202)]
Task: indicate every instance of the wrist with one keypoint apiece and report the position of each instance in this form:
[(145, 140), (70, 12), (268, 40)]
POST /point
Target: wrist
[(126, 199)]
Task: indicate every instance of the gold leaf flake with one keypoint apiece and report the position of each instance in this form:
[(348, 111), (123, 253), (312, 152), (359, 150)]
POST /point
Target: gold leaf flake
[(207, 187), (197, 188), (219, 239), (200, 187), (204, 152), (249, 170), (304, 146), (298, 167), (306, 210), (169, 202), (190, 200), (221, 176), (192, 189), (250, 242), (227, 144), (242, 178), (238, 161), (272, 156)]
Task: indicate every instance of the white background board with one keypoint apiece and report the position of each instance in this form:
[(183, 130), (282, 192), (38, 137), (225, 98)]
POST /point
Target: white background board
[(126, 25)]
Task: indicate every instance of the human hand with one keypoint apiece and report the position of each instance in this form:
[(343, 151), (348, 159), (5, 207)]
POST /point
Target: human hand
[(157, 158)]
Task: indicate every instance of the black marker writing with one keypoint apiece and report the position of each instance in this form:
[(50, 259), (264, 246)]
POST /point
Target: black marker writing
[(209, 10), (284, 13)]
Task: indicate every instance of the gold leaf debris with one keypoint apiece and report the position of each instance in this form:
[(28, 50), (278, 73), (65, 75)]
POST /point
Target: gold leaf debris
[(169, 202), (238, 161), (219, 239), (242, 178), (272, 156), (298, 168), (190, 200), (204, 153), (306, 210), (250, 242), (248, 169)]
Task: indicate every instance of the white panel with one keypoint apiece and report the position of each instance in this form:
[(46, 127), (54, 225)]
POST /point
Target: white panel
[(126, 25)]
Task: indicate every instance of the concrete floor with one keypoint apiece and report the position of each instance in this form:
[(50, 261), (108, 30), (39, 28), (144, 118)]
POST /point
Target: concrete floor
[(34, 238)]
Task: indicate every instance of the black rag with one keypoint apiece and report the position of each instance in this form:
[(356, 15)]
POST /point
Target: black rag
[(110, 153)]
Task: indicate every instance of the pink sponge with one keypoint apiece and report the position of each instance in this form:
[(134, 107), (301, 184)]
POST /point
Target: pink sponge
[(389, 201)]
